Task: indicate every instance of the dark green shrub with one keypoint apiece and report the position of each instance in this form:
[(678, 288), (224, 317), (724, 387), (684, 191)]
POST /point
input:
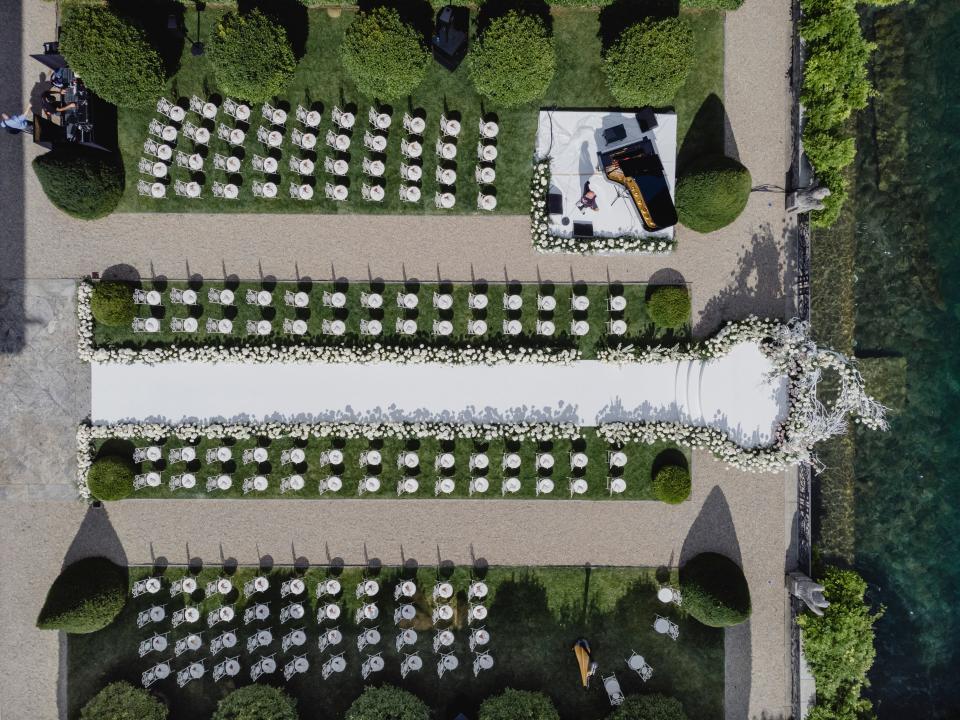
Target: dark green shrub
[(86, 597), (84, 183), (715, 592), (251, 56), (833, 203), (385, 56), (257, 702), (112, 303), (387, 703), (669, 306), (672, 484), (839, 646), (518, 705), (712, 193), (649, 62), (123, 701), (112, 55), (711, 4), (513, 61), (110, 478), (649, 707)]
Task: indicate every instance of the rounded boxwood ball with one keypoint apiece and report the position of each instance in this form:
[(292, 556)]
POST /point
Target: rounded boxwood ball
[(672, 484), (85, 597), (110, 478), (715, 592), (518, 705), (257, 702), (84, 183), (123, 701), (112, 304), (712, 193), (649, 61), (387, 703), (385, 56), (513, 60), (669, 306), (251, 56), (649, 707)]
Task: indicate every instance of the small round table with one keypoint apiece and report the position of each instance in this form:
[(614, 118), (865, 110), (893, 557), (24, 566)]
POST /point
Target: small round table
[(169, 133), (377, 193), (188, 480), (580, 328), (412, 193), (306, 167), (489, 153), (299, 328), (195, 162), (545, 461), (164, 152), (224, 482), (231, 191), (487, 175), (159, 170), (618, 303), (312, 119), (376, 168), (546, 328), (270, 165), (308, 141), (489, 130), (209, 110), (225, 326), (444, 328), (237, 136), (158, 190), (202, 136), (176, 113), (578, 486), (414, 173), (447, 176), (305, 192), (269, 190), (342, 142), (417, 125), (243, 112), (274, 138), (618, 327), (374, 327), (488, 202), (279, 117), (193, 189), (301, 299), (414, 149), (340, 192)]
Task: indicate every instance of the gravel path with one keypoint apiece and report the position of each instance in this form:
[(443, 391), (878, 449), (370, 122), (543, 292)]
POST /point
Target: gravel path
[(737, 271)]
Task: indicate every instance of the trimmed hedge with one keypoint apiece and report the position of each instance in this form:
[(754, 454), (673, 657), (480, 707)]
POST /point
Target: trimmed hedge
[(251, 56), (669, 306), (112, 303), (518, 705), (649, 62), (84, 183), (385, 56), (712, 193), (110, 478), (649, 707), (85, 597), (387, 703), (123, 701), (257, 702), (514, 60), (112, 55), (672, 484), (715, 592)]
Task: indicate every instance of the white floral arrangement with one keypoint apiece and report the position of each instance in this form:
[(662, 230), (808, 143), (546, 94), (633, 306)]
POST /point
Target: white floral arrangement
[(88, 434), (546, 242), (303, 353)]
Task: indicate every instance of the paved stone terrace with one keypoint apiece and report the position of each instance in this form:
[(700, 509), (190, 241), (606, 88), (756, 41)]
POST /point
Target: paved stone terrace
[(738, 271)]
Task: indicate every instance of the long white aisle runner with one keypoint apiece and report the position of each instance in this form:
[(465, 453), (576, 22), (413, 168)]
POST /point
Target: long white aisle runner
[(734, 394)]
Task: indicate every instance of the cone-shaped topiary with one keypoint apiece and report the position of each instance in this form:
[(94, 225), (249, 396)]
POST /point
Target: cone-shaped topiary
[(251, 56), (513, 61), (712, 193), (112, 303), (257, 702), (518, 705), (387, 703), (110, 478), (385, 56), (84, 183), (86, 597), (715, 592), (669, 306), (672, 484)]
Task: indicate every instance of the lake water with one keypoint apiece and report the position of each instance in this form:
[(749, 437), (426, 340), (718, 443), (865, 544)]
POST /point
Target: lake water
[(908, 301)]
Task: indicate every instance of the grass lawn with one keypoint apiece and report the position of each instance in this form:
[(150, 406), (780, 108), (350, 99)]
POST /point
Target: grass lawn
[(320, 81), (640, 329), (535, 616), (643, 461)]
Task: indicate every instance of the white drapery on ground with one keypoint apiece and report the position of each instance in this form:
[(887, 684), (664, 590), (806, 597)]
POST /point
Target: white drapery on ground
[(733, 394)]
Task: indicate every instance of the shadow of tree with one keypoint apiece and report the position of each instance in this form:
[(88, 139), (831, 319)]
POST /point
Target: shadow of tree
[(417, 13), (621, 14), (96, 538), (756, 287), (163, 21), (710, 133)]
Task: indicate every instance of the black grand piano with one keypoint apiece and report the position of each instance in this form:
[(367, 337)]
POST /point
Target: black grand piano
[(638, 168)]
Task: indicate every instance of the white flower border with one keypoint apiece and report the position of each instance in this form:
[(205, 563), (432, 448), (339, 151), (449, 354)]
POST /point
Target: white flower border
[(372, 353), (545, 242)]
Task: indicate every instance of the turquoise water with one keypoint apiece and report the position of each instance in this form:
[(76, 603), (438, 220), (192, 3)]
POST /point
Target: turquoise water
[(908, 301)]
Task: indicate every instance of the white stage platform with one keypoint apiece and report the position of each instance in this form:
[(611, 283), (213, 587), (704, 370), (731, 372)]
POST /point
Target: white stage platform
[(732, 394), (572, 139)]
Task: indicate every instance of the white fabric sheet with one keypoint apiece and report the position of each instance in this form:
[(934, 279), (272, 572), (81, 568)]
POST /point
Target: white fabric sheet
[(733, 394)]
